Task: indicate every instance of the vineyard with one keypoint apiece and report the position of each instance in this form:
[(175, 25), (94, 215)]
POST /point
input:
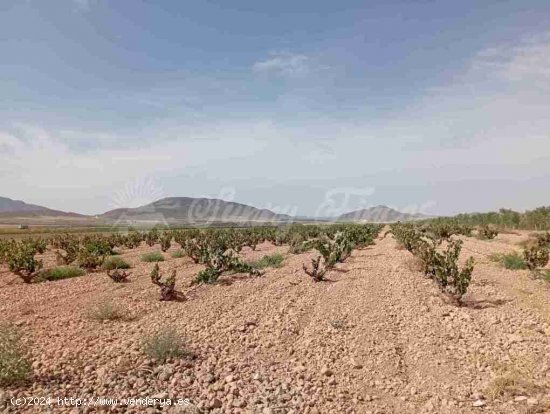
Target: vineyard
[(217, 249), (300, 318), (537, 219)]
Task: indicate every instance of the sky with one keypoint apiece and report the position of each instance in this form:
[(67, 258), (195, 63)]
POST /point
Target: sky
[(308, 108)]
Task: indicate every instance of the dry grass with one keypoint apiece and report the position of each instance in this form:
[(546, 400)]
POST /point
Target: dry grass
[(512, 380), (510, 384), (108, 311), (14, 365), (339, 324), (164, 345), (534, 409)]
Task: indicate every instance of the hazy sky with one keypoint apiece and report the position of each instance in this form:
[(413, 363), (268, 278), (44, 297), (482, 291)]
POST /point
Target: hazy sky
[(308, 107)]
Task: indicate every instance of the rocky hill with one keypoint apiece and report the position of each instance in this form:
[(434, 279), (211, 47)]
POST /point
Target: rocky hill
[(379, 214), (189, 209)]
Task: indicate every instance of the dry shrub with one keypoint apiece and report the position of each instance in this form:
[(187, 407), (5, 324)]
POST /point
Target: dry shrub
[(108, 311), (512, 381), (509, 384), (163, 345)]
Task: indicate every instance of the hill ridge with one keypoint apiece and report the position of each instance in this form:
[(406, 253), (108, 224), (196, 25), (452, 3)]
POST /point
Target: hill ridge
[(19, 208), (195, 209), (380, 214)]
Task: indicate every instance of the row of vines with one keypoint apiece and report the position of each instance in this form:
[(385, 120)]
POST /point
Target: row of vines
[(217, 250), (438, 251)]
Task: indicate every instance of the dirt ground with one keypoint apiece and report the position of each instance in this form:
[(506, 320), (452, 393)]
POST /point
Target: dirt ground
[(378, 337)]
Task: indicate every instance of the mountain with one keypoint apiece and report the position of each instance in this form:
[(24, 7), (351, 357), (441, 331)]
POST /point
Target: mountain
[(18, 208), (193, 210), (379, 214)]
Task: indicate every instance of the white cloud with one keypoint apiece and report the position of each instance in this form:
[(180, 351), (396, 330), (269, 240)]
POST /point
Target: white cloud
[(43, 169), (489, 125), (284, 63), (527, 60), (502, 96), (40, 166)]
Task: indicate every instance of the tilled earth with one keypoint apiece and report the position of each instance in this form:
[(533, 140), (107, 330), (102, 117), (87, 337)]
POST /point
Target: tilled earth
[(378, 337)]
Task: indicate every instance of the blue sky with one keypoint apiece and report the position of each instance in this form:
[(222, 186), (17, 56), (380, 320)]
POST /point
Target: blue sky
[(437, 106)]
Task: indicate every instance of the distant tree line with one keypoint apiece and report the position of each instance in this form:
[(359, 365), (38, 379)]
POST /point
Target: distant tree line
[(537, 219)]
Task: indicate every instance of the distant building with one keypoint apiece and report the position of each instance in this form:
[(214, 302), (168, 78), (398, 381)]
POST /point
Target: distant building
[(23, 227)]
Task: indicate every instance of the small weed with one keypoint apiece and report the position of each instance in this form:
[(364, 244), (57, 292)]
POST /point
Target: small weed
[(115, 262), (274, 260), (512, 378), (152, 257), (178, 254), (14, 365), (543, 274), (339, 324), (512, 261), (108, 311), (511, 383), (60, 273), (164, 345)]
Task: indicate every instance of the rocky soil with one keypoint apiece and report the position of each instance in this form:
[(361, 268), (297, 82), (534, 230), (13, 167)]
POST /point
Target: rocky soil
[(377, 337)]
